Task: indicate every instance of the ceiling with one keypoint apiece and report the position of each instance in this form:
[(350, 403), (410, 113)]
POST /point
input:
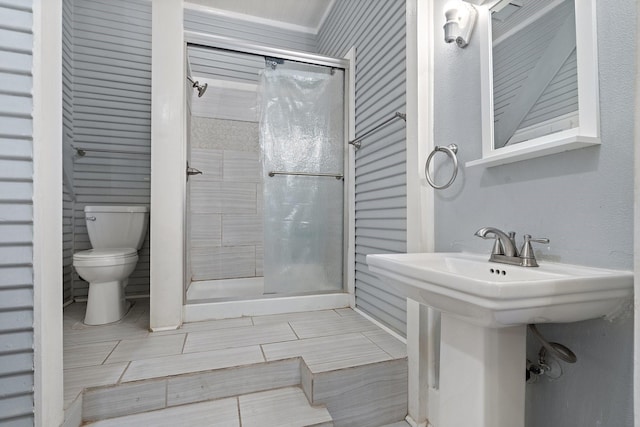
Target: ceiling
[(305, 13)]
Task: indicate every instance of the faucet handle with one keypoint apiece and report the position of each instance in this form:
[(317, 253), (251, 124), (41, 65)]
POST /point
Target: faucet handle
[(526, 253), (498, 249), (538, 240), (512, 237)]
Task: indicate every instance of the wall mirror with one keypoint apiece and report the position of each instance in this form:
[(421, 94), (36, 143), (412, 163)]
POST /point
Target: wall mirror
[(539, 76)]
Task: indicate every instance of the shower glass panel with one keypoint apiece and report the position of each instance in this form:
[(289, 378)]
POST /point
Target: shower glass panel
[(302, 140), (252, 234)]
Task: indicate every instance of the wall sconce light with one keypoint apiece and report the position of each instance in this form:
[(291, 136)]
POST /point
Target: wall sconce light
[(461, 18)]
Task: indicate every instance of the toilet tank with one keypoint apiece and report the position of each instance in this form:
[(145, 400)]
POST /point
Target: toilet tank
[(116, 226)]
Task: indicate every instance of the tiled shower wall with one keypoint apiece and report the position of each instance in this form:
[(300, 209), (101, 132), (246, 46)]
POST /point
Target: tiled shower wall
[(226, 200)]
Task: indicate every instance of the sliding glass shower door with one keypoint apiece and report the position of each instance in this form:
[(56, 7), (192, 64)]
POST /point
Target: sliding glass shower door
[(302, 141), (265, 217)]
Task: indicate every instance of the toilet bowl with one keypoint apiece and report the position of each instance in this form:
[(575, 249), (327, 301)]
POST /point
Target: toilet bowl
[(107, 271), (116, 233)]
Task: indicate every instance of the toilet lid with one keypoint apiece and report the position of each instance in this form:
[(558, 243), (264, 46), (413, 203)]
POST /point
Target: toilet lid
[(111, 253)]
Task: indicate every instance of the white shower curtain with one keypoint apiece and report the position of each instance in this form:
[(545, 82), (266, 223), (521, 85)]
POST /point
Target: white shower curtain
[(302, 130)]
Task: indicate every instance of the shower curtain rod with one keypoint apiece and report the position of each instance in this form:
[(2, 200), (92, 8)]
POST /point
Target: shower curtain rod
[(331, 175), (228, 43), (83, 151), (357, 141)]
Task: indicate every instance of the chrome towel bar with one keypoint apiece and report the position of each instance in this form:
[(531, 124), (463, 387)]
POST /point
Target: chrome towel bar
[(356, 142), (81, 152), (332, 175)]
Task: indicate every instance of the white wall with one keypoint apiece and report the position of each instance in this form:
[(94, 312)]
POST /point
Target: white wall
[(581, 200)]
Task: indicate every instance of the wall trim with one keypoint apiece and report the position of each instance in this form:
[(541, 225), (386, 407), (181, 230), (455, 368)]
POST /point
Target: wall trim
[(350, 163), (254, 19), (420, 196), (47, 212), (168, 164), (422, 321), (636, 239), (324, 17)]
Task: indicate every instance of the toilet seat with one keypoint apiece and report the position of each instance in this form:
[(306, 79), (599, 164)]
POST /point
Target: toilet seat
[(105, 257)]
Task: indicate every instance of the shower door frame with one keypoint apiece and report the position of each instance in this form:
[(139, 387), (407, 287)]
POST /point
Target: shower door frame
[(286, 303)]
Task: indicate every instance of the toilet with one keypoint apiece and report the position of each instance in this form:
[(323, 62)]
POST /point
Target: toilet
[(116, 233)]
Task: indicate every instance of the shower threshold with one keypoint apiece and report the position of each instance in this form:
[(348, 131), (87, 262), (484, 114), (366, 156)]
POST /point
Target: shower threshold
[(196, 311), (246, 287)]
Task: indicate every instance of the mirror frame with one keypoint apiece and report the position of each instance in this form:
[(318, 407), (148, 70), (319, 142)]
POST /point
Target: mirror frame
[(585, 135)]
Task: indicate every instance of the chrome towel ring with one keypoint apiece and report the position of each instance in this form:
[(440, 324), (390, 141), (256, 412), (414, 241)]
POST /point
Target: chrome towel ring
[(450, 150)]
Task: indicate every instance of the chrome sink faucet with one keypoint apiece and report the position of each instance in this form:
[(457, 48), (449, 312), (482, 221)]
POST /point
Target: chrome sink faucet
[(504, 249)]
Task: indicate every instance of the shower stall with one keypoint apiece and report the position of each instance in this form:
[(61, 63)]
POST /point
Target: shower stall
[(267, 179)]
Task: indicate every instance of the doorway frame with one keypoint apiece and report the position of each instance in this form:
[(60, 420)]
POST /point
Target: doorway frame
[(47, 213)]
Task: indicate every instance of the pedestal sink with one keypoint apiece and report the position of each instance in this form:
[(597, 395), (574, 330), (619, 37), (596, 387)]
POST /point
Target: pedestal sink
[(485, 309)]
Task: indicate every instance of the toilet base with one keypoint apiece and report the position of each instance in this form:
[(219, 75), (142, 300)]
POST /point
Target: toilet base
[(106, 303)]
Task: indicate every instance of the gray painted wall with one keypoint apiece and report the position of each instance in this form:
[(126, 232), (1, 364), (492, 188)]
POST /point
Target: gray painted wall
[(16, 214), (377, 30), (265, 35), (111, 116), (582, 200)]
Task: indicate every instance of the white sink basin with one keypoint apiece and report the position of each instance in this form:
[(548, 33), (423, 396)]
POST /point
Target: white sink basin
[(494, 295)]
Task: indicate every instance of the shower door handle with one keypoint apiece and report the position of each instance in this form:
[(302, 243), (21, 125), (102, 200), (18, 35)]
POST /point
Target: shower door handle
[(192, 171)]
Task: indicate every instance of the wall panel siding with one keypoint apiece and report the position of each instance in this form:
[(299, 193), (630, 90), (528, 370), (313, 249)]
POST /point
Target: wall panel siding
[(220, 64), (16, 214), (252, 32), (377, 30), (67, 247), (110, 117)]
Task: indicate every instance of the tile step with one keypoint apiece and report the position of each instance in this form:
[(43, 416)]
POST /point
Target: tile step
[(274, 408), (281, 407), (366, 395)]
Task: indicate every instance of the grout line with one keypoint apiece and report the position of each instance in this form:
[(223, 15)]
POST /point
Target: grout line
[(184, 343), (381, 326), (111, 352), (294, 331), (338, 313), (166, 393), (122, 374), (377, 345), (264, 356), (239, 413)]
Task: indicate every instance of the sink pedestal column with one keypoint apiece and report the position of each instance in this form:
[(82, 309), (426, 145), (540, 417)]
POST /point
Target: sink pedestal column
[(482, 375)]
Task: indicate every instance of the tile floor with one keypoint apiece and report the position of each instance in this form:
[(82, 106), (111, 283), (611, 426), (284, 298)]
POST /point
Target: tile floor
[(126, 351)]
